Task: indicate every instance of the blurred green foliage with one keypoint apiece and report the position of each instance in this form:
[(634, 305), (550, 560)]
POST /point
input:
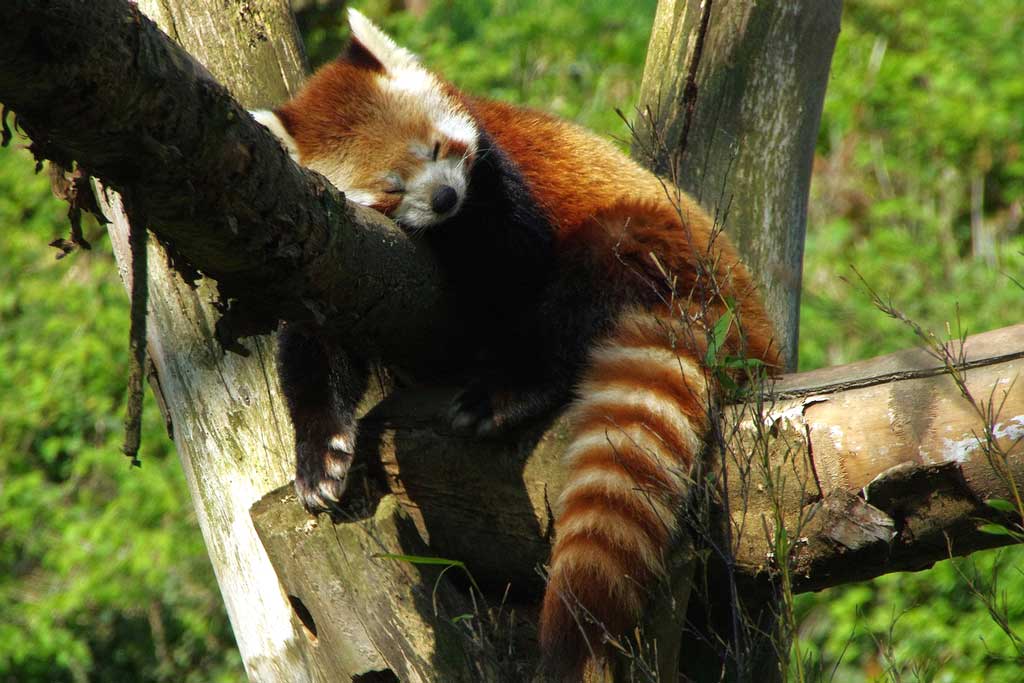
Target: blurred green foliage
[(103, 574), (925, 100)]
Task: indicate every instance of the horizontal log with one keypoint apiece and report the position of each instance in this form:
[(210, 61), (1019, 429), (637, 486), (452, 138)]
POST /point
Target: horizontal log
[(885, 464), (886, 437), (870, 468)]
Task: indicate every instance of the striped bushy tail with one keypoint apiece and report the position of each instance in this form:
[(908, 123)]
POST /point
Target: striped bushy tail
[(637, 428)]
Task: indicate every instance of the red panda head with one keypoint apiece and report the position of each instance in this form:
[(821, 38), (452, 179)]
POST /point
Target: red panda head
[(384, 130)]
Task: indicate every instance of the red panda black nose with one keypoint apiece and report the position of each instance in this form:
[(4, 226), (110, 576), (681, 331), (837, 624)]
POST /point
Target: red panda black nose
[(444, 199)]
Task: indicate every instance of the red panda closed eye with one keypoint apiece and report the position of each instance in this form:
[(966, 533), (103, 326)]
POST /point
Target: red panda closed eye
[(583, 280)]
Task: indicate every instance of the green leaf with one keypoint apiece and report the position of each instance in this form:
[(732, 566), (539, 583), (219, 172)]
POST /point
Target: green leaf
[(994, 529), (718, 336), (1001, 505), (421, 559)]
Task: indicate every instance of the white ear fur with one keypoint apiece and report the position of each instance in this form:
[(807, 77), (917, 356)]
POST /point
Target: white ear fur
[(270, 120), (380, 44)]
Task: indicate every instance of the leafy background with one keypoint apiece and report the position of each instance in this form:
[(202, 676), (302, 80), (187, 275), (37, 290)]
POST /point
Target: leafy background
[(919, 184)]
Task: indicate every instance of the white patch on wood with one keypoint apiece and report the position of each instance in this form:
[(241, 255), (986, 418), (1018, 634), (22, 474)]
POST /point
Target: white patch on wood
[(961, 450), (837, 436), (792, 415)]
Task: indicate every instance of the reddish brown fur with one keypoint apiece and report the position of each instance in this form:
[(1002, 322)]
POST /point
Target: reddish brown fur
[(604, 205), (642, 474), (344, 107)]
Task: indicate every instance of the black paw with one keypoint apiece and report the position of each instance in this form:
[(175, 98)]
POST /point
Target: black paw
[(322, 473), (472, 412)]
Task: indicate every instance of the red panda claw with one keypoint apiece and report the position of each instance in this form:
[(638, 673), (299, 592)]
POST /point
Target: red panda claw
[(321, 478)]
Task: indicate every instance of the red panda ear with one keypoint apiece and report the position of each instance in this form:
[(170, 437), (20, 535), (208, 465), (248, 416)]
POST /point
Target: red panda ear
[(371, 45), (357, 55)]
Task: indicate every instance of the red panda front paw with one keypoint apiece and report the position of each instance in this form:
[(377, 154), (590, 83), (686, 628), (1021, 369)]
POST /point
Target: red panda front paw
[(321, 473), (472, 412), (485, 410)]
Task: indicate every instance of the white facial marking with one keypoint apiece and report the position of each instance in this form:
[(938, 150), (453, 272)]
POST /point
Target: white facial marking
[(418, 90), (342, 175)]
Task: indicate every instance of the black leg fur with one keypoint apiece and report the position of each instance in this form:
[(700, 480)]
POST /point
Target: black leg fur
[(541, 353), (322, 386)]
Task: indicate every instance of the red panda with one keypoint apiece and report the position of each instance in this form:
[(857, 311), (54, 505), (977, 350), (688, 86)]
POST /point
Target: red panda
[(585, 278)]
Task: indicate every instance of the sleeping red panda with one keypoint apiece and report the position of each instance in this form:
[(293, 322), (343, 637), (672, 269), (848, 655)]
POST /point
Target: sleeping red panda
[(585, 279)]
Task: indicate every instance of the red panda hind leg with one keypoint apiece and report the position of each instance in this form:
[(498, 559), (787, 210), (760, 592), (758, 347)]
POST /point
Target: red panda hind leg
[(485, 408)]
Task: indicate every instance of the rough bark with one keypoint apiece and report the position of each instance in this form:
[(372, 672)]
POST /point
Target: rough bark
[(224, 410), (730, 112), (870, 468), (98, 83)]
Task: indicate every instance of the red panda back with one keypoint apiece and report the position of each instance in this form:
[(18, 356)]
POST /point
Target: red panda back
[(644, 399)]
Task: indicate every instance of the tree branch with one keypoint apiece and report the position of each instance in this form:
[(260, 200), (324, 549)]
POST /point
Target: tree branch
[(100, 84)]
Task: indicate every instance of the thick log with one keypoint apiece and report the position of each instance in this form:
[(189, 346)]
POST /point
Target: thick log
[(871, 468), (223, 410)]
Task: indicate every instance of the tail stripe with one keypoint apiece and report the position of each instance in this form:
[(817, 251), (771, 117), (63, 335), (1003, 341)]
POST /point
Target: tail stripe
[(602, 467), (649, 354), (629, 446), (637, 429), (632, 412), (664, 374), (597, 553), (640, 512), (658, 437), (641, 328)]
